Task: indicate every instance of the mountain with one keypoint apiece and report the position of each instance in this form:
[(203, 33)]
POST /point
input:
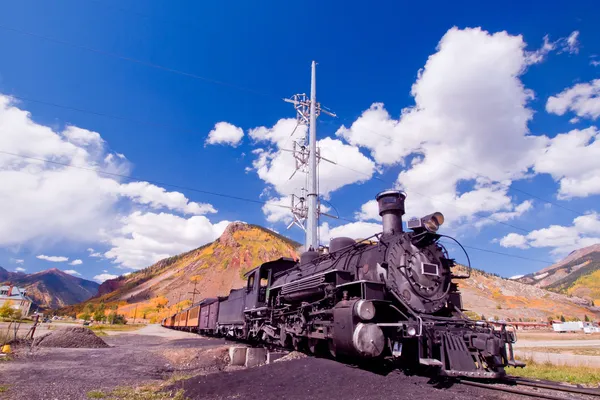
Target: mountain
[(494, 296), (577, 275), (51, 288), (213, 269)]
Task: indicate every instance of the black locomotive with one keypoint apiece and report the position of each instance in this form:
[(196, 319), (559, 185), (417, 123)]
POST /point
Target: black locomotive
[(393, 297)]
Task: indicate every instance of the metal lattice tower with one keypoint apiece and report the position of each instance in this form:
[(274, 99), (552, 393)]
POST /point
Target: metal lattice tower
[(306, 208)]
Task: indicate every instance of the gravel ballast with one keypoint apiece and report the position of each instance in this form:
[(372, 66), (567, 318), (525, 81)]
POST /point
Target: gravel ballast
[(76, 337)]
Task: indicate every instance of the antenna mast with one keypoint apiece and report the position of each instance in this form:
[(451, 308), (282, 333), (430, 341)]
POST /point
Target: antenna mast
[(307, 157)]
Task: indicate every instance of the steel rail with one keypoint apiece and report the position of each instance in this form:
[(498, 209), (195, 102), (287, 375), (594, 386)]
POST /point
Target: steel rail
[(554, 386), (510, 390)]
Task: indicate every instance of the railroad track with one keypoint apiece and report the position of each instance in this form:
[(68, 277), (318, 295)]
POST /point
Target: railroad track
[(510, 385)]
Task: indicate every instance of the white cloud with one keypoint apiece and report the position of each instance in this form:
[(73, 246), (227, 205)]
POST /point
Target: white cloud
[(76, 262), (514, 240), (276, 166), (104, 277), (45, 204), (368, 211), (146, 238), (20, 269), (353, 230), (572, 160), (53, 258), (469, 92), (225, 133), (594, 63), (572, 43), (94, 253), (583, 99), (585, 231), (574, 120), (71, 272), (17, 260), (157, 198)]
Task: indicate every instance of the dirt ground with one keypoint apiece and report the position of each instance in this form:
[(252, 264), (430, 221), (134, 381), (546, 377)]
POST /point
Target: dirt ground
[(154, 355)]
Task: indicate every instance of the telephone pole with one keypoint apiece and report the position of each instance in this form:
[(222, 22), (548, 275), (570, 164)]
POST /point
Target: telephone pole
[(307, 111)]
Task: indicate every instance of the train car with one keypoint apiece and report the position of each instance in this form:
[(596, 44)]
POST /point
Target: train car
[(193, 319), (208, 315)]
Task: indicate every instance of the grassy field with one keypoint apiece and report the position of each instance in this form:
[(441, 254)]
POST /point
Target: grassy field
[(560, 373), (136, 393), (580, 351)]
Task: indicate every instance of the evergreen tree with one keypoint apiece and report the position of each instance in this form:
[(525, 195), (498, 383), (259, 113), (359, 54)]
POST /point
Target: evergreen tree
[(562, 318)]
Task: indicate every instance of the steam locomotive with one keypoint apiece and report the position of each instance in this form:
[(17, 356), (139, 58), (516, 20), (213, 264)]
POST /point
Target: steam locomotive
[(391, 296)]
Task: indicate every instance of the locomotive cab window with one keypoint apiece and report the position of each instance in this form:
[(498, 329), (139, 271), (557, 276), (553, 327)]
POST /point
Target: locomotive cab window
[(251, 282)]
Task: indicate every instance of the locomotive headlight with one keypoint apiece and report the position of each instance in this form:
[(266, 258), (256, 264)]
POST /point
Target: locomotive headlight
[(411, 331), (433, 221), (365, 310)]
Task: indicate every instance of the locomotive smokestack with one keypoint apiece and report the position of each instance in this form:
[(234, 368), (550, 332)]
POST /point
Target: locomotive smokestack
[(391, 210)]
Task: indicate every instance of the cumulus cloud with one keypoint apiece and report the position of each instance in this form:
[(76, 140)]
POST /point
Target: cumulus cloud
[(572, 160), (20, 269), (145, 238), (104, 277), (469, 92), (52, 258), (76, 262), (225, 133), (94, 253), (353, 230), (71, 272), (561, 240), (368, 211), (583, 99), (45, 204), (157, 198), (17, 260), (276, 165)]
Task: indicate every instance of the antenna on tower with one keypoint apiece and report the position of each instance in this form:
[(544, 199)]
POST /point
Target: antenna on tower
[(306, 209)]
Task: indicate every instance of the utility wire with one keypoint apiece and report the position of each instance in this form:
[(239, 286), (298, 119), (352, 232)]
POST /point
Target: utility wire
[(137, 61), (507, 255), (180, 187), (154, 182), (104, 115)]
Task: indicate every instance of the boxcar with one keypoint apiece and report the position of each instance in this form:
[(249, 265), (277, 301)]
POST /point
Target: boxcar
[(208, 315), (193, 318)]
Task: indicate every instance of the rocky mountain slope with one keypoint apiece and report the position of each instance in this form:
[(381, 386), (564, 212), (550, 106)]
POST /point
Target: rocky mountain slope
[(493, 296), (213, 269), (51, 288), (577, 275)]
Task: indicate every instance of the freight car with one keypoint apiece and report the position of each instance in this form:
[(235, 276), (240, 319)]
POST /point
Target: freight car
[(393, 296)]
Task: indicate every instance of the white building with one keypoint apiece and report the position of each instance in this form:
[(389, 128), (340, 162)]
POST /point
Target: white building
[(17, 297)]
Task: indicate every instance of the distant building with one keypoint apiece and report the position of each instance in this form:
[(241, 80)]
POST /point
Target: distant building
[(17, 297)]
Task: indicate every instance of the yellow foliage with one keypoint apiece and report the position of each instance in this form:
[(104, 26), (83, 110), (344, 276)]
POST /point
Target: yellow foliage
[(590, 283)]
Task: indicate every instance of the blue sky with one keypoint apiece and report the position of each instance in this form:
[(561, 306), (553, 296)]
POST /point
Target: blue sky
[(366, 55)]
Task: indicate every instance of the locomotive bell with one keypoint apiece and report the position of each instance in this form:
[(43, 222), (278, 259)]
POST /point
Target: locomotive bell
[(391, 210)]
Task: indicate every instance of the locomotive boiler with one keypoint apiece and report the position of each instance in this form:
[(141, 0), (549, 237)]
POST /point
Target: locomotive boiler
[(393, 296)]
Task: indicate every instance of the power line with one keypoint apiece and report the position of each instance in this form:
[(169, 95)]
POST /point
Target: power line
[(154, 182), (507, 254), (101, 114), (137, 61)]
